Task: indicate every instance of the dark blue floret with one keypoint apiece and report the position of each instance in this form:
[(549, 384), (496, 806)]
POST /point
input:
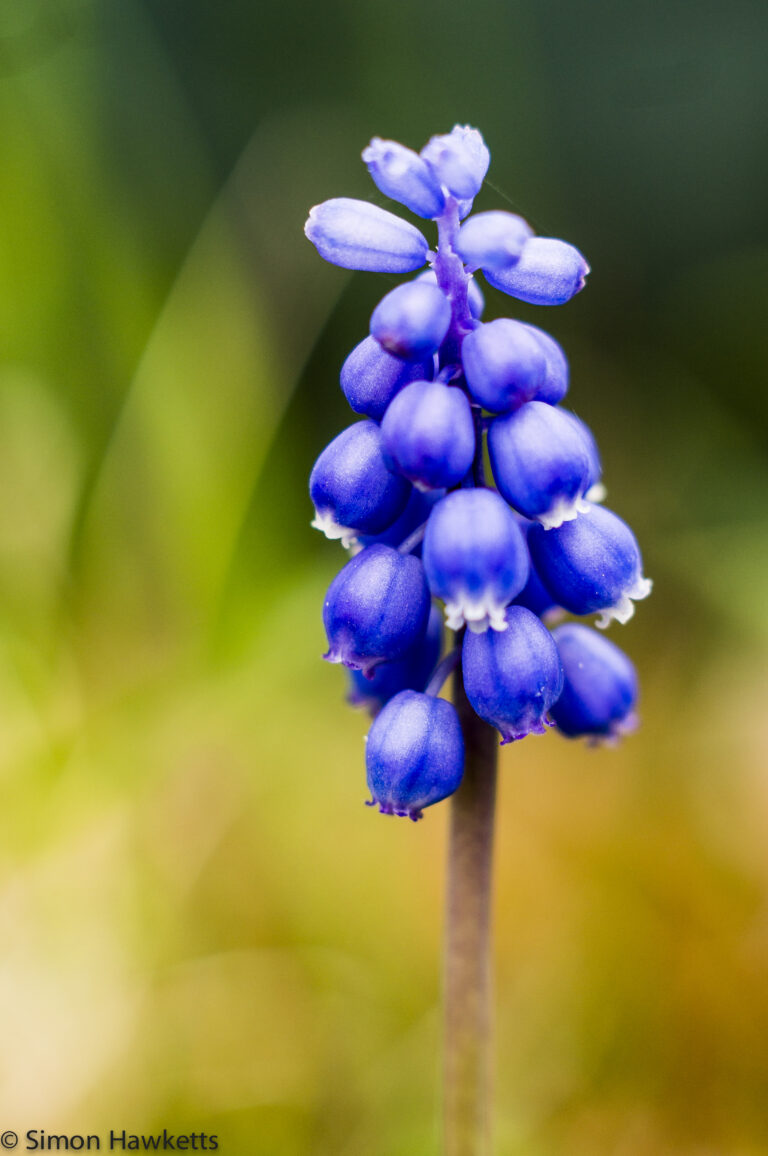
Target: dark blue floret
[(412, 672), (512, 677), (600, 690), (429, 435), (542, 462), (351, 487), (416, 512), (370, 377), (412, 320), (505, 364), (591, 564), (376, 608), (534, 595), (555, 384), (414, 754), (475, 558)]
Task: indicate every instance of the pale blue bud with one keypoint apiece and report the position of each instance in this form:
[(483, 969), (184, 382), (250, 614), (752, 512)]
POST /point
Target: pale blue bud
[(492, 240), (401, 174), (358, 235), (459, 160), (548, 272)]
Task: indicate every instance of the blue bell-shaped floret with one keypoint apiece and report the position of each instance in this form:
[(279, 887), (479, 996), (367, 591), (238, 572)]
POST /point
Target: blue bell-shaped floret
[(504, 363), (556, 373), (534, 595), (600, 689), (351, 487), (548, 272), (401, 174), (415, 514), (414, 754), (513, 677), (596, 489), (358, 235), (492, 240), (542, 462), (475, 558), (411, 672), (412, 320), (459, 159), (370, 377), (376, 608), (591, 564), (428, 434)]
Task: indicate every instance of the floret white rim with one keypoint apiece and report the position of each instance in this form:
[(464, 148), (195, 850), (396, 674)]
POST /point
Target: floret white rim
[(623, 610), (477, 615), (563, 510), (325, 522)]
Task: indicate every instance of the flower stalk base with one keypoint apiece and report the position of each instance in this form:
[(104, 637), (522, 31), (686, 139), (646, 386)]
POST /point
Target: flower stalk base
[(467, 1039)]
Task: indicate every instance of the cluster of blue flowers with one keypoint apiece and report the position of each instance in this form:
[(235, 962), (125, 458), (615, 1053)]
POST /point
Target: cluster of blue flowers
[(404, 489)]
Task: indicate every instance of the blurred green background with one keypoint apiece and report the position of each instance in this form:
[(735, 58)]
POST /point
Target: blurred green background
[(202, 927)]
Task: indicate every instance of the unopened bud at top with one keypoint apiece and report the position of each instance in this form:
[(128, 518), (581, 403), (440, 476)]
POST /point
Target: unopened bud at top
[(548, 272), (404, 176), (492, 240), (459, 160), (358, 235)]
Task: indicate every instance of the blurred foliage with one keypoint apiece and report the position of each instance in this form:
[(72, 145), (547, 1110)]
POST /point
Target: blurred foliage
[(202, 928)]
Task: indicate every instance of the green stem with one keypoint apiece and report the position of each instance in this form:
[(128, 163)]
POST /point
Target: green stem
[(467, 976)]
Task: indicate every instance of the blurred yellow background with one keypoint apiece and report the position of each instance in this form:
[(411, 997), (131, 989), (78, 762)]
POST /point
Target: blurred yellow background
[(202, 927)]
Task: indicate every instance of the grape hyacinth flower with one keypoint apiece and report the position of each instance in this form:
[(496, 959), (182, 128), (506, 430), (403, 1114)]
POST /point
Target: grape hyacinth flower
[(407, 490)]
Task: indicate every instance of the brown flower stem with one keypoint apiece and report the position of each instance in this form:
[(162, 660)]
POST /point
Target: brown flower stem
[(467, 976)]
